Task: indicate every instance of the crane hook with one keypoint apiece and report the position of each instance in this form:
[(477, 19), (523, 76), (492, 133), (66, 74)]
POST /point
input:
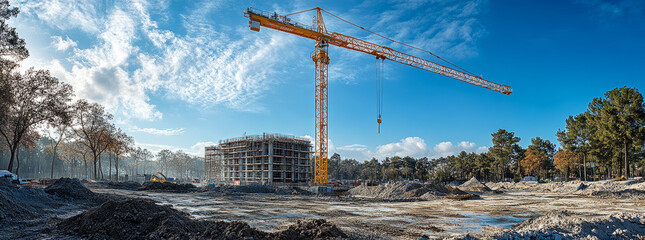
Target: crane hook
[(379, 121)]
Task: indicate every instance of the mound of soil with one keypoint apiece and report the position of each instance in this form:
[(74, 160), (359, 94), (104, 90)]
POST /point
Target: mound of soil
[(70, 187), (474, 185), (167, 187), (144, 219), (20, 203), (129, 185), (312, 229), (561, 225), (131, 219), (406, 191), (259, 188)]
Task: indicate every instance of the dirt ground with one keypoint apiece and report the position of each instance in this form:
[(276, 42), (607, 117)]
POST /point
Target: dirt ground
[(439, 218)]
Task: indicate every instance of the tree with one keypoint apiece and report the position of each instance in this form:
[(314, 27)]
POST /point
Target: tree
[(164, 157), (38, 98), (620, 121), (59, 127), (546, 148), (12, 50), (92, 128), (11, 45), (577, 137), (503, 149), (120, 145), (533, 161), (565, 160)]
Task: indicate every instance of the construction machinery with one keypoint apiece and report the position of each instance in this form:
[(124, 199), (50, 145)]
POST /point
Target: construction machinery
[(318, 32), (158, 177)]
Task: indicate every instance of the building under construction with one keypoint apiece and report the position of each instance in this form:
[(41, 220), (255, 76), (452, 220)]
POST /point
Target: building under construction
[(266, 159)]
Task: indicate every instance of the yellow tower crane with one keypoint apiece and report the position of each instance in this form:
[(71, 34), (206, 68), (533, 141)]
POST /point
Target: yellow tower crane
[(318, 33)]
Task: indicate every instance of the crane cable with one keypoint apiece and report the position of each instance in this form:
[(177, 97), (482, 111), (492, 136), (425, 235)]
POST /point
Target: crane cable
[(379, 90), (392, 40)]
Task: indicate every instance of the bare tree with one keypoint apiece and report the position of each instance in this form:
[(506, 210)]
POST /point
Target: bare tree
[(92, 129), (38, 98), (121, 145), (58, 128)]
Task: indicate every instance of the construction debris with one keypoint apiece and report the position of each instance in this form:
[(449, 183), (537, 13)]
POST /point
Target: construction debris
[(402, 191)]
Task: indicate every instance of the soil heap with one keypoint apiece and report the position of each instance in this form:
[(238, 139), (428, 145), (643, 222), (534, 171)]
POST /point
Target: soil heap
[(474, 185), (144, 219), (70, 188), (258, 188), (128, 185), (409, 192), (561, 225), (20, 203), (167, 187)]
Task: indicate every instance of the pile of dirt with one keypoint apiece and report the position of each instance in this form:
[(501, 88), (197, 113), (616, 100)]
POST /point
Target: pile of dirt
[(128, 185), (71, 188), (144, 219), (473, 185), (20, 203), (258, 188), (167, 187), (562, 225), (130, 219), (312, 229), (630, 189), (408, 191)]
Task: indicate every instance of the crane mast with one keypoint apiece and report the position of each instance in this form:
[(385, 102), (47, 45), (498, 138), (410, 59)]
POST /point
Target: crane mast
[(320, 56)]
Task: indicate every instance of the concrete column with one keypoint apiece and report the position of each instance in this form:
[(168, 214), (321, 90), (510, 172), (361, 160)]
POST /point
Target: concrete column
[(270, 162)]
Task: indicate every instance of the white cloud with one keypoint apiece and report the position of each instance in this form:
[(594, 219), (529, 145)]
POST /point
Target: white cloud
[(443, 149), (353, 147), (410, 146), (196, 150), (63, 44), (131, 57), (154, 131)]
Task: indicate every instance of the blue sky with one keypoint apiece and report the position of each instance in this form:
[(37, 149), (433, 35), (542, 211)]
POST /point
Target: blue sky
[(185, 74)]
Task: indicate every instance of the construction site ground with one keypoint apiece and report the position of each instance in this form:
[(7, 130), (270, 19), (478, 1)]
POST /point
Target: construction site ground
[(68, 210), (440, 218)]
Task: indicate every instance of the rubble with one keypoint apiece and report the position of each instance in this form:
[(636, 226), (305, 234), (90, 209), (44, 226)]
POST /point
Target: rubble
[(145, 219), (409, 192)]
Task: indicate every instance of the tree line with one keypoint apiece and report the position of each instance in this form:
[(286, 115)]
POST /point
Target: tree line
[(606, 141)]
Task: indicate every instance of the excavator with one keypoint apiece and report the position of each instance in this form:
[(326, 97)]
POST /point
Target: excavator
[(158, 177)]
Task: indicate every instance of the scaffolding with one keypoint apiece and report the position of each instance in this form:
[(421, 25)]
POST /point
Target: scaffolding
[(265, 159)]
